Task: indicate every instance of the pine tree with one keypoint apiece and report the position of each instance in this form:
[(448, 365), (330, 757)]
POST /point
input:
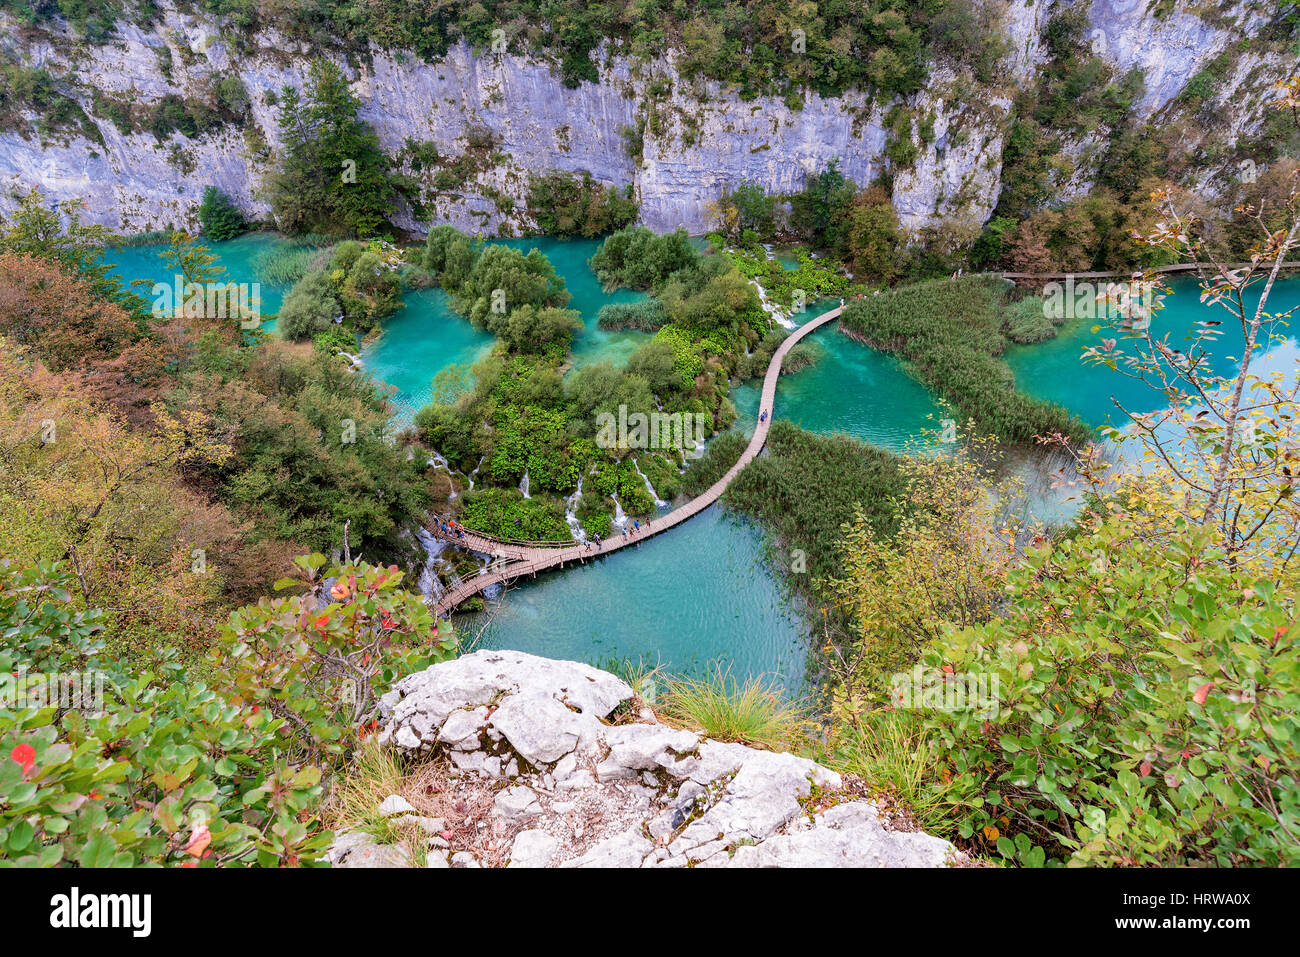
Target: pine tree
[(220, 217), (333, 176)]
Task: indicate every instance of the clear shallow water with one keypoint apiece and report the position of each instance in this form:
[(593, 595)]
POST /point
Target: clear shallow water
[(1053, 369), (700, 595), (569, 256), (236, 256), (695, 596), (419, 341), (850, 389), (703, 594)]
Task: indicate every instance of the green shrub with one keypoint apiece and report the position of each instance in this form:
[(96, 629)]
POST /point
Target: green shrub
[(168, 770), (435, 246), (1146, 711), (506, 513), (573, 204), (220, 217), (637, 258), (503, 278), (335, 340), (309, 308)]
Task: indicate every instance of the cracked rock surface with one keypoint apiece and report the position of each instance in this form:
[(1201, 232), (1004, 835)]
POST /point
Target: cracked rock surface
[(562, 776)]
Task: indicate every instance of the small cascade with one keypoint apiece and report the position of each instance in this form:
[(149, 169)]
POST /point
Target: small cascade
[(430, 584), (523, 485), (620, 516), (353, 361), (659, 503), (779, 313), (571, 514), (437, 461), (471, 475)]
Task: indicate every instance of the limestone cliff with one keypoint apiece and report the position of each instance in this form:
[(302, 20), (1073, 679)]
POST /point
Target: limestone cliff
[(705, 138), (523, 761)]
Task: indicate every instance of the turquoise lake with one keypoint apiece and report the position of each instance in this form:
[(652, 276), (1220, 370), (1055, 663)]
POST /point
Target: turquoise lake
[(236, 256), (704, 595)]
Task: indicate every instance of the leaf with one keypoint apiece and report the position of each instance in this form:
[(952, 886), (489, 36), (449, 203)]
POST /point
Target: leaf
[(991, 833), (98, 851), (20, 835), (1202, 692)]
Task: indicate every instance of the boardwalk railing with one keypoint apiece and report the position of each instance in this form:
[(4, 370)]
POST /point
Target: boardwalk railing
[(516, 558)]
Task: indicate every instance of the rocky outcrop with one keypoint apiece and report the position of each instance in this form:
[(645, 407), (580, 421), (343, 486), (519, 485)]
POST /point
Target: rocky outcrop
[(540, 763), (705, 137)]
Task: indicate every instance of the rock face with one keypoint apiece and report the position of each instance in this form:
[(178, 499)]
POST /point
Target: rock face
[(571, 785), (705, 137)]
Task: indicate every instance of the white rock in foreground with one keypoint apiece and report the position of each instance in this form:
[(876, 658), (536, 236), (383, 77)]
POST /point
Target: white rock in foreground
[(564, 788)]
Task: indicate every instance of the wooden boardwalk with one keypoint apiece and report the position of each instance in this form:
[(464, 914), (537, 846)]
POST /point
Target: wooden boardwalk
[(1138, 273), (514, 559)]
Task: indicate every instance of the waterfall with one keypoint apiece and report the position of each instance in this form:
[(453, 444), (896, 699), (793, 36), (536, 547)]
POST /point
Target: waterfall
[(620, 517), (354, 361), (659, 503), (436, 461), (523, 485), (471, 475), (779, 313), (430, 585), (571, 514)]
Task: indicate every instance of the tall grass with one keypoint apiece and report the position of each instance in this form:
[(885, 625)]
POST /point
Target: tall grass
[(753, 713), (952, 333), (141, 239), (805, 488), (639, 673), (891, 751), (720, 454), (375, 773), (285, 265)]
